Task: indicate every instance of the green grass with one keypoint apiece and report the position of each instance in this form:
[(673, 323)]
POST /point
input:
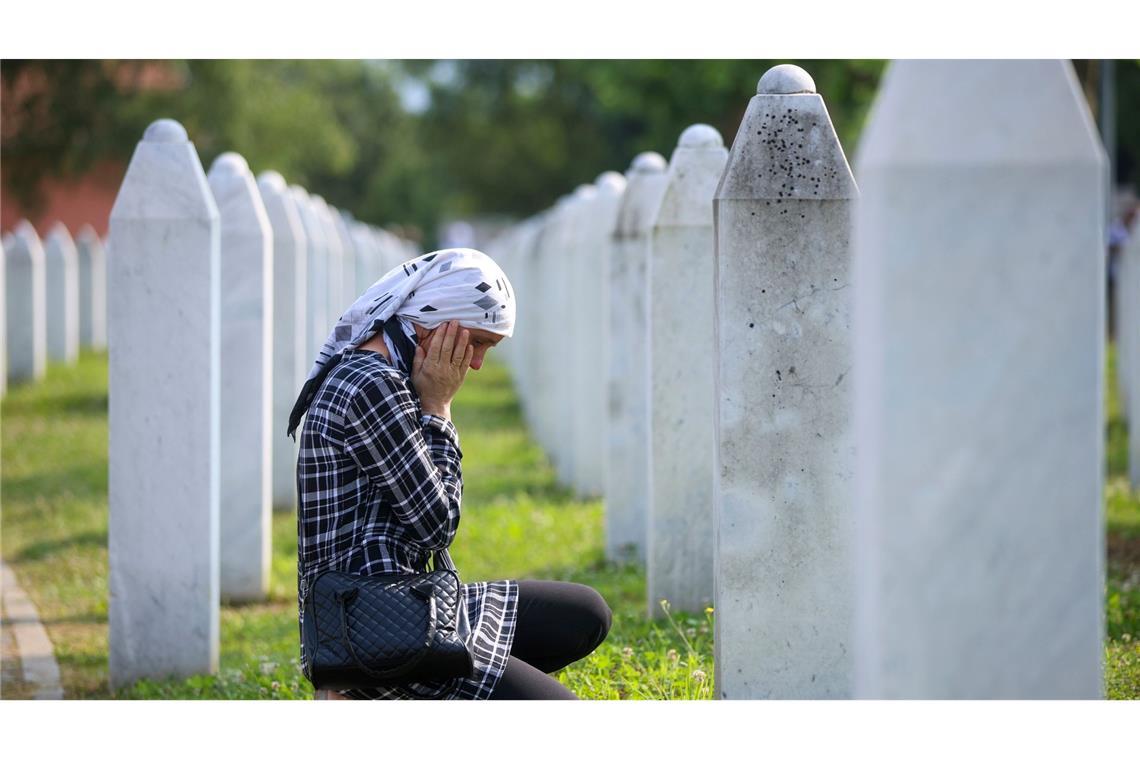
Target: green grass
[(517, 523), (1122, 581)]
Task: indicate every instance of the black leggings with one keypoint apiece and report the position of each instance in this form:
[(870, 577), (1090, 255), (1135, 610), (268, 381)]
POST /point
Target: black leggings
[(558, 623)]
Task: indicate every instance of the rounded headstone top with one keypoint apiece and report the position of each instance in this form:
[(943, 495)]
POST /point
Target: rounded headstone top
[(59, 229), (700, 136), (165, 131), (585, 191), (785, 79), (648, 162), (229, 163), (612, 182), (272, 180)]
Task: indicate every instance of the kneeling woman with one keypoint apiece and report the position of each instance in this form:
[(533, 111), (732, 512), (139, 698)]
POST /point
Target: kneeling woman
[(379, 478)]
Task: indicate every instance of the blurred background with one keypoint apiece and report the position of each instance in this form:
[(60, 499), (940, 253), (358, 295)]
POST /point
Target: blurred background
[(416, 146)]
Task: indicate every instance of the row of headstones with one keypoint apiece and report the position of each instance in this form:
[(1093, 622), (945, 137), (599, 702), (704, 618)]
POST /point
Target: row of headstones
[(223, 287), (54, 300), (865, 423)]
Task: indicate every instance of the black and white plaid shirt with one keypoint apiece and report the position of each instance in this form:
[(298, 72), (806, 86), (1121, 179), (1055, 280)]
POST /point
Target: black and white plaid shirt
[(380, 488)]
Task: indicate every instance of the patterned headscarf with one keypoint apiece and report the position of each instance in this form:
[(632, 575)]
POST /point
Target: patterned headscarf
[(457, 283)]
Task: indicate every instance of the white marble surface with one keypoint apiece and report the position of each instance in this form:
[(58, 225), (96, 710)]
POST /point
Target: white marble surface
[(784, 454), (317, 295), (627, 451), (591, 438), (334, 255), (61, 278), (348, 291), (92, 288), (1128, 349), (979, 278), (163, 327), (679, 564), (290, 355), (246, 380), (572, 303), (25, 310)]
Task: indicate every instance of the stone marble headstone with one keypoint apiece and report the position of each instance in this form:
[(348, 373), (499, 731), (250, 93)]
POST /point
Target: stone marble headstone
[(317, 290), (92, 289), (679, 564), (61, 277), (25, 310), (163, 325), (627, 450), (784, 456), (349, 254), (334, 253), (290, 354), (572, 304), (366, 256), (1128, 348), (246, 380), (979, 300)]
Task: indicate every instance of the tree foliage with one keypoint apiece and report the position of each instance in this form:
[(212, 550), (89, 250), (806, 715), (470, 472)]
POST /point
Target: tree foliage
[(495, 136)]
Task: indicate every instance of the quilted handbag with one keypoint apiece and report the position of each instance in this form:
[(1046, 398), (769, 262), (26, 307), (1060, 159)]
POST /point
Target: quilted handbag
[(362, 631)]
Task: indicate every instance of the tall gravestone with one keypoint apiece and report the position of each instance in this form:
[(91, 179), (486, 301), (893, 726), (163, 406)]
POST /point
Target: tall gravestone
[(92, 289), (26, 308), (351, 252), (784, 455), (979, 279), (61, 278), (163, 332), (317, 294), (290, 355), (1128, 345), (246, 380), (334, 255), (679, 564), (572, 303), (627, 461)]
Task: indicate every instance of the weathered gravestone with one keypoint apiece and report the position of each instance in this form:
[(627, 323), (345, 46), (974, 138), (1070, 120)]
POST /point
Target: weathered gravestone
[(679, 564), (290, 353), (317, 294), (783, 424), (92, 288), (25, 308), (627, 451), (573, 305), (596, 240), (979, 279), (61, 278), (246, 380), (163, 325)]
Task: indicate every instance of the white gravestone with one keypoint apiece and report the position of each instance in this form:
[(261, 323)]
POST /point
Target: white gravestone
[(26, 308), (290, 354), (679, 564), (573, 305), (1128, 345), (784, 458), (163, 326), (61, 277), (92, 289), (246, 380), (350, 253), (593, 261), (627, 460), (547, 322), (334, 253), (979, 279), (317, 294)]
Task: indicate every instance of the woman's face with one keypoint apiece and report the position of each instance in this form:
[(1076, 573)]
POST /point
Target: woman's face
[(481, 340)]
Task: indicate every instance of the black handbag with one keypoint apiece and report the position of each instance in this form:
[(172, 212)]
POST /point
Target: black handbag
[(363, 631)]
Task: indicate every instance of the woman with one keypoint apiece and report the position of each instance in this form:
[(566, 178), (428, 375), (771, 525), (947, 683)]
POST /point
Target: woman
[(379, 476)]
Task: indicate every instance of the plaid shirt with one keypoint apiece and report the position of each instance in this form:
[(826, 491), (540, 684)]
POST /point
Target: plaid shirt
[(380, 488)]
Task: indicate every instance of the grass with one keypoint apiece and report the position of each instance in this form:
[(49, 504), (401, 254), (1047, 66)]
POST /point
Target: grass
[(517, 523)]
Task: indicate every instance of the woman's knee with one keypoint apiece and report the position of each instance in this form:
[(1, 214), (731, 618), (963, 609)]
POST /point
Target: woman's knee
[(598, 613)]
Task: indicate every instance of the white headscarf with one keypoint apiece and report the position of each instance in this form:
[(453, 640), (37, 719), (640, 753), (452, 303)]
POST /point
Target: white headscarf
[(456, 283)]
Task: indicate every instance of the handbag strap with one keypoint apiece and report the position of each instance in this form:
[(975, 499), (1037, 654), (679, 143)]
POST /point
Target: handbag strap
[(344, 597)]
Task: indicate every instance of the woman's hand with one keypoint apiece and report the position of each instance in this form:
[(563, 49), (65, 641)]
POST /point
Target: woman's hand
[(440, 367)]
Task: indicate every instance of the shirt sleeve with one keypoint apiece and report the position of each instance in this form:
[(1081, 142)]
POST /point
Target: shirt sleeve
[(412, 458)]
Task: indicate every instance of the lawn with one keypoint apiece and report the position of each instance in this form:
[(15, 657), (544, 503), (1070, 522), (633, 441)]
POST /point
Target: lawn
[(517, 523)]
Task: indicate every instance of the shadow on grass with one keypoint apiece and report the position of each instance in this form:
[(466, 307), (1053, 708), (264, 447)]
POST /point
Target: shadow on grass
[(41, 549)]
